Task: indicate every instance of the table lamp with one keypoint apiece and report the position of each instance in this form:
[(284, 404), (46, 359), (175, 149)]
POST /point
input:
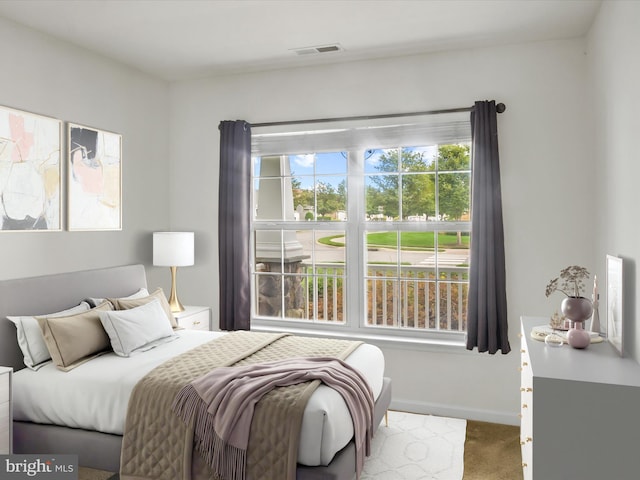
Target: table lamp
[(173, 249)]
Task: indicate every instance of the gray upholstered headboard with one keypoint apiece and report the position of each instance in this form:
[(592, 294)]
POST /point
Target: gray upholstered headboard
[(53, 293)]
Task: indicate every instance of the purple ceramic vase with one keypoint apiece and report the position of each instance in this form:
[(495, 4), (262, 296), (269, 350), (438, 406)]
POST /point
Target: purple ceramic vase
[(577, 336), (577, 309)]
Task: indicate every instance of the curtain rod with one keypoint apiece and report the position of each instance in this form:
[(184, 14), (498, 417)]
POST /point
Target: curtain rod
[(500, 107)]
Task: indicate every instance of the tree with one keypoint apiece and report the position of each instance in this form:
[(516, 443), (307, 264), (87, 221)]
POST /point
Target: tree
[(417, 188), (454, 185), (454, 188), (417, 177), (327, 199), (301, 196), (382, 200)]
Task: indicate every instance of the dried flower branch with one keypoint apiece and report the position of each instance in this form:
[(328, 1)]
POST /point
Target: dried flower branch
[(572, 284)]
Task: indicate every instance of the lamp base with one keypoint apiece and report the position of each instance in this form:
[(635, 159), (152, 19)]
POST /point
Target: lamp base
[(174, 303)]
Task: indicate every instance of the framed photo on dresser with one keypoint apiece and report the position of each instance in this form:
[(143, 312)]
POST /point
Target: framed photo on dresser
[(615, 313)]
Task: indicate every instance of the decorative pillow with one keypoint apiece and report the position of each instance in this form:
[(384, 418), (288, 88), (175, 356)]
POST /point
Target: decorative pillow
[(74, 339), (94, 302), (158, 294), (137, 329), (30, 336)]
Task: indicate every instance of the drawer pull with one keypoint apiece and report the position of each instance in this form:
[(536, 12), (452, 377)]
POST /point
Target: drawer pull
[(196, 322), (524, 465), (527, 389), (524, 364), (523, 350), (529, 439), (524, 405)]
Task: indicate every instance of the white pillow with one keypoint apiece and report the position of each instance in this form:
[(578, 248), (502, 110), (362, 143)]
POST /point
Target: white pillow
[(137, 329), (143, 292), (30, 336)]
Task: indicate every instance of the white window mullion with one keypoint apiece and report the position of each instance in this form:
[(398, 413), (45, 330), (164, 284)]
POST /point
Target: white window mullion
[(355, 248)]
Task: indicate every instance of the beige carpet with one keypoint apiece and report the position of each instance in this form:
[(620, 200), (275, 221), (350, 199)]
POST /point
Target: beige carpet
[(491, 451), (85, 473)]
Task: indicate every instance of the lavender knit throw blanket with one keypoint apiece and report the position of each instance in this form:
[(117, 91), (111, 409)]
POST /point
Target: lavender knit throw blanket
[(222, 402)]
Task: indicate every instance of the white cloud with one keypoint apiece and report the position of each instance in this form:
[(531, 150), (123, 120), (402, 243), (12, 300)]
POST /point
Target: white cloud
[(305, 161)]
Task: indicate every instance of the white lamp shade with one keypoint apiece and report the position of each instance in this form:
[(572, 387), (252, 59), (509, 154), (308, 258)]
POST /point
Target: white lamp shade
[(173, 249)]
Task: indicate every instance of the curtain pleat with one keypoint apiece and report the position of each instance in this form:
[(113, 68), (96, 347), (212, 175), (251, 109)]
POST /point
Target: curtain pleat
[(487, 326), (234, 212)]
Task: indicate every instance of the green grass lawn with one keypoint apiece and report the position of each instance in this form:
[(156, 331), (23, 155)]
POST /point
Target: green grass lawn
[(408, 240)]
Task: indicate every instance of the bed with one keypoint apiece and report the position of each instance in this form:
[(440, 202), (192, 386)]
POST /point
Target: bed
[(99, 446)]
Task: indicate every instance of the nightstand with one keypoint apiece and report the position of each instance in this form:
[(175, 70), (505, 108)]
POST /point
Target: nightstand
[(6, 417), (194, 318)]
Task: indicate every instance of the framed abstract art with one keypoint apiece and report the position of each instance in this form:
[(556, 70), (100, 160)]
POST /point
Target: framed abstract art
[(94, 179), (30, 171)]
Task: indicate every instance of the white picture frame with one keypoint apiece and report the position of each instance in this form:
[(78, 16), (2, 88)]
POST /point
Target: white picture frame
[(94, 186), (30, 172), (615, 313)]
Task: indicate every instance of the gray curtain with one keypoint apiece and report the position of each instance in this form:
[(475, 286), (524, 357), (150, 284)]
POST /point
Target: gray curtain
[(487, 327), (234, 212)]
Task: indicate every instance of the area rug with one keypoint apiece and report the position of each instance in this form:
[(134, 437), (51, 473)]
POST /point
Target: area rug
[(412, 447), (417, 447)]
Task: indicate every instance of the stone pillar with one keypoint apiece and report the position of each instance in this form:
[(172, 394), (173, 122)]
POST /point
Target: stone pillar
[(278, 252), (270, 289)]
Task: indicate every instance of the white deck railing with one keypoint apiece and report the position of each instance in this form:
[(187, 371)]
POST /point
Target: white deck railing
[(411, 297)]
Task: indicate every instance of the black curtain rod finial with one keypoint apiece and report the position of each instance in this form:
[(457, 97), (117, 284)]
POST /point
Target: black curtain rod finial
[(500, 107)]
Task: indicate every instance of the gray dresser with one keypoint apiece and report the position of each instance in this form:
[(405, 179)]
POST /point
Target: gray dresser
[(580, 411)]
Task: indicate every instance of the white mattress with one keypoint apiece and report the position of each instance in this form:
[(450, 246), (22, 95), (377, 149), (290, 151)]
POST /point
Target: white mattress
[(94, 396)]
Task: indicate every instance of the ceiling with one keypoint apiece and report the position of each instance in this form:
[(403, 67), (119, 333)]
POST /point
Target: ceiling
[(183, 39)]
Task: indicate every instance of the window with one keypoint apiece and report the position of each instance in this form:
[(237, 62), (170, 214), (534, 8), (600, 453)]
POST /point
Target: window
[(363, 227)]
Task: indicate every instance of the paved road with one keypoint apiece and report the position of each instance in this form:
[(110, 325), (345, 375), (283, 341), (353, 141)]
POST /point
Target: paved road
[(325, 253)]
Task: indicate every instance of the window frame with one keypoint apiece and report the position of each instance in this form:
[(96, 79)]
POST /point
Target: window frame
[(355, 326)]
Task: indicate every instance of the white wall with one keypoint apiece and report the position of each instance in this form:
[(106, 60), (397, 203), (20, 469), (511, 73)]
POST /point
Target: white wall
[(547, 177), (553, 181), (614, 71), (45, 76)]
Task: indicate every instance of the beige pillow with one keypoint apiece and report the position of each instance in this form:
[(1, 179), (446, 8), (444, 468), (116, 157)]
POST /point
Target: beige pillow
[(126, 304), (74, 339)]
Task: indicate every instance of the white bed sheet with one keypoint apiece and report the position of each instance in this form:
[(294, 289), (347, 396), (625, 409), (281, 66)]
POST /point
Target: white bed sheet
[(95, 395)]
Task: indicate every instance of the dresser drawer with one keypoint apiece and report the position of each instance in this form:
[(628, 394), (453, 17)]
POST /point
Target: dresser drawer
[(194, 318)]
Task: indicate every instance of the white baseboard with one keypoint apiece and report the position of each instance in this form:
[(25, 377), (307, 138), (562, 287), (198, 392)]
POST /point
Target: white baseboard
[(454, 411)]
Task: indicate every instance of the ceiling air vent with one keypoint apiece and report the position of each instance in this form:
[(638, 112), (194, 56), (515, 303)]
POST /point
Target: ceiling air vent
[(318, 49)]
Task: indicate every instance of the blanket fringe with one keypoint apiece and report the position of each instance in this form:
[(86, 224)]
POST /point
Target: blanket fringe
[(227, 461), (186, 402)]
